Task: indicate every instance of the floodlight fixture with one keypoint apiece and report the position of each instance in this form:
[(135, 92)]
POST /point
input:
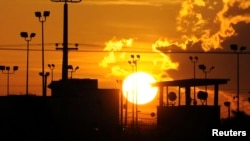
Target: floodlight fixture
[(24, 34), (2, 68), (70, 67), (242, 48), (234, 47), (76, 68), (46, 74), (38, 14), (7, 68), (202, 67), (32, 35), (51, 66), (15, 68), (46, 13)]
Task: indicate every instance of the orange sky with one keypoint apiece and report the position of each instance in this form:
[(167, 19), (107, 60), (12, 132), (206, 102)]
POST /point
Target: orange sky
[(109, 31)]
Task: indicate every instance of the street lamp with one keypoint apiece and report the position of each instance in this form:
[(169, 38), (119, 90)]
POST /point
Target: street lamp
[(42, 19), (194, 60), (133, 63), (237, 50), (27, 38), (6, 70), (71, 69), (65, 37), (51, 67), (204, 69)]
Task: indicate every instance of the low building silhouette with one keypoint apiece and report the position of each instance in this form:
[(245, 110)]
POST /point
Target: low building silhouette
[(189, 119), (77, 109)]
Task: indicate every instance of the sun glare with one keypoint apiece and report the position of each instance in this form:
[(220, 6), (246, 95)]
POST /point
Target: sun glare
[(137, 88)]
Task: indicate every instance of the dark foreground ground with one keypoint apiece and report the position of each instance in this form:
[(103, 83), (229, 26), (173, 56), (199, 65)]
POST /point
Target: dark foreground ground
[(26, 121)]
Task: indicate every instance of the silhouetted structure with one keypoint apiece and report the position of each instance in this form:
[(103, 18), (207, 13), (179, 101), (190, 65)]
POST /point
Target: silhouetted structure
[(82, 111), (186, 119)]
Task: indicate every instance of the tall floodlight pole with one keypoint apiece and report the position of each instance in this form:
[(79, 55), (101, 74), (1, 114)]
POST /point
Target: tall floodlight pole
[(65, 37), (133, 63), (28, 39), (121, 101), (234, 47), (42, 19), (194, 60)]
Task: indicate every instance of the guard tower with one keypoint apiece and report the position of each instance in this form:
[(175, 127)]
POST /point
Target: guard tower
[(177, 115)]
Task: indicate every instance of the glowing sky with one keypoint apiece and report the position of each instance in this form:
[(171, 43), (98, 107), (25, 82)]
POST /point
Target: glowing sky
[(109, 31)]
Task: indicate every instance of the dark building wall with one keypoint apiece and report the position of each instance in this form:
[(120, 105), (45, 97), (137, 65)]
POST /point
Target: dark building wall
[(188, 120), (59, 117)]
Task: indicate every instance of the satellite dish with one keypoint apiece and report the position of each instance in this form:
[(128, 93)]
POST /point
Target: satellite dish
[(172, 96)]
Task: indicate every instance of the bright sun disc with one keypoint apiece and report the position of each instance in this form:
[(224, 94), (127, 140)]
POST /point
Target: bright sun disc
[(137, 88)]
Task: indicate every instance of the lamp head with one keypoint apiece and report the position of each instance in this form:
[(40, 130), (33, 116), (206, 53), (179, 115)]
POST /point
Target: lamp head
[(32, 35), (46, 13), (138, 56), (77, 67), (24, 34), (70, 67), (38, 14), (7, 68), (227, 103), (47, 74), (212, 68), (242, 48), (2, 68), (233, 47), (15, 68), (202, 67)]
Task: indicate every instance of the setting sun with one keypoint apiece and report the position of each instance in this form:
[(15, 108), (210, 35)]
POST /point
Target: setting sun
[(137, 88)]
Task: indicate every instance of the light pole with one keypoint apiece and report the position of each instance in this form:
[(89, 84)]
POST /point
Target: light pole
[(65, 37), (42, 19), (194, 60), (204, 69), (121, 101), (71, 70), (44, 75), (51, 67), (27, 38), (6, 70), (133, 63), (227, 104), (234, 47)]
